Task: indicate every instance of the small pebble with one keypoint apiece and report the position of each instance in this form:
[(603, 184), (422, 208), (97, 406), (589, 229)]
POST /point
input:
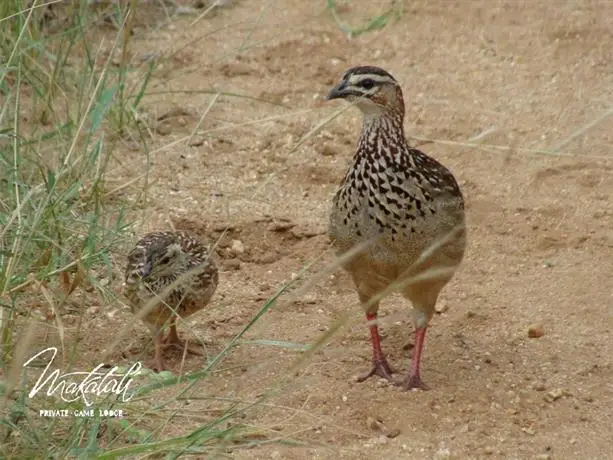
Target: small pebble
[(196, 141), (554, 395), (539, 386), (281, 226), (164, 129), (441, 307), (380, 440), (327, 150), (373, 424), (393, 433), (237, 247), (535, 331)]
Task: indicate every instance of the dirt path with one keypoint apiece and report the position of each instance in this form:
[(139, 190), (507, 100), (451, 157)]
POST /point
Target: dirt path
[(523, 77)]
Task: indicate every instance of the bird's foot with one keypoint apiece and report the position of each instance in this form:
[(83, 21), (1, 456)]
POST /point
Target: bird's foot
[(381, 368), (173, 341), (157, 364), (413, 381)]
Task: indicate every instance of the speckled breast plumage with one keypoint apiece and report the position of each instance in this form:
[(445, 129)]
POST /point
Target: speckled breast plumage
[(397, 201)]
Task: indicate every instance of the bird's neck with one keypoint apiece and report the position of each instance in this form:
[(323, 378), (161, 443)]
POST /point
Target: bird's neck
[(380, 131)]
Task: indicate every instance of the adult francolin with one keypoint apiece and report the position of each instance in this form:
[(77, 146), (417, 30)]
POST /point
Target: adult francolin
[(399, 210), (158, 260)]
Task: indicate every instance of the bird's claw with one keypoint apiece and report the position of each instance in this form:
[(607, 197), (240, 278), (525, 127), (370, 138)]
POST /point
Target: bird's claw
[(181, 346), (381, 368), (412, 382)]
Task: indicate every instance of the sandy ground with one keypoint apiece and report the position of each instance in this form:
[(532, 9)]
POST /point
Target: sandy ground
[(513, 94)]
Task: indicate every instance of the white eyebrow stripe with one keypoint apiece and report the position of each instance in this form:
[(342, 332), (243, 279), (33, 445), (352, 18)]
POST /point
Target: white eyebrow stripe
[(354, 79)]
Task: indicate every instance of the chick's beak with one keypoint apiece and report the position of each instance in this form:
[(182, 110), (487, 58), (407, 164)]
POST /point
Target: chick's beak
[(145, 270)]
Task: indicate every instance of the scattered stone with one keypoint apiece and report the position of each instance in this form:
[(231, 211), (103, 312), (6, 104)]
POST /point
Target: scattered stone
[(539, 386), (327, 150), (529, 431), (373, 424), (554, 395), (393, 433), (281, 226), (163, 129), (442, 453), (267, 258), (441, 307), (196, 141), (380, 440), (265, 287), (237, 247), (535, 331), (37, 315)]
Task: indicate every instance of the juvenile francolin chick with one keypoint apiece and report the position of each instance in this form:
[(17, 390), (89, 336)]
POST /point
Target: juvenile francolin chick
[(157, 261)]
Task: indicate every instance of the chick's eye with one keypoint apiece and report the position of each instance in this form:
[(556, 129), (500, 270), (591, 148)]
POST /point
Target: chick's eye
[(367, 84), (164, 260)]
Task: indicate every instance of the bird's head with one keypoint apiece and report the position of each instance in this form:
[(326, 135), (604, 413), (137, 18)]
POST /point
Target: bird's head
[(373, 90), (163, 259), (156, 257)]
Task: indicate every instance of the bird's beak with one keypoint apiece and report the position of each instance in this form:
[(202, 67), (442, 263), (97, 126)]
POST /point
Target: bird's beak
[(340, 91), (145, 270)]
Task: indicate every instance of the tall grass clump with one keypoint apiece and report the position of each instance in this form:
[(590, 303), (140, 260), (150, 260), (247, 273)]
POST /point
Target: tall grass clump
[(64, 107)]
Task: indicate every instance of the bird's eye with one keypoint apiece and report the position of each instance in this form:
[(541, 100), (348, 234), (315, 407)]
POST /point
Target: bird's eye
[(367, 84), (164, 260)]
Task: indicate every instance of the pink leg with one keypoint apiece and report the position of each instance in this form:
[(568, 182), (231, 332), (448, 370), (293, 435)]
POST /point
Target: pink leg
[(172, 340), (158, 359), (380, 366), (413, 380)]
